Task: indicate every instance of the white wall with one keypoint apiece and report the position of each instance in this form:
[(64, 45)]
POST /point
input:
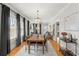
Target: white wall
[(72, 11)]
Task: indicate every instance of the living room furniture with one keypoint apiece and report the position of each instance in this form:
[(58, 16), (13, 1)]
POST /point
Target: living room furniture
[(66, 51)]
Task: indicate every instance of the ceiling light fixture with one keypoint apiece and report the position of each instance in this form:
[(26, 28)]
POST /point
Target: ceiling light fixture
[(37, 19)]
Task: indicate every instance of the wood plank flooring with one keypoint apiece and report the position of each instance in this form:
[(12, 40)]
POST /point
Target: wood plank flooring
[(17, 49), (56, 47), (53, 43)]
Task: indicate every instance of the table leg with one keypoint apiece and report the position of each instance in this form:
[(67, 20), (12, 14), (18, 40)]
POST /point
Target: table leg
[(29, 48), (76, 49), (43, 47), (66, 49)]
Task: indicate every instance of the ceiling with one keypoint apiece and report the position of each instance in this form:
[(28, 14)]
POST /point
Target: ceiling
[(46, 10)]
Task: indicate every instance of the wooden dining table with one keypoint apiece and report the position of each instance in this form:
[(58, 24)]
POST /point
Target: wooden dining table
[(35, 39)]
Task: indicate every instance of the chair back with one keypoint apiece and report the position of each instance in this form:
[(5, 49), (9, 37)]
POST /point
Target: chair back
[(45, 37)]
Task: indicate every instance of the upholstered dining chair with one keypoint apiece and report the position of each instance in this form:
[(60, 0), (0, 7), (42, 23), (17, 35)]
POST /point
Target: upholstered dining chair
[(32, 44), (45, 44)]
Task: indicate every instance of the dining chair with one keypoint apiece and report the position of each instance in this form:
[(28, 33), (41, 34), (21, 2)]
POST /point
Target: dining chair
[(31, 44), (45, 44)]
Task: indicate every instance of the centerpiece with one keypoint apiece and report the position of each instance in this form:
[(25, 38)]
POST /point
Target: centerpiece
[(64, 34)]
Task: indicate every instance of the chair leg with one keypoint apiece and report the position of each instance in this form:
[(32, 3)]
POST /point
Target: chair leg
[(43, 49), (29, 49), (46, 47), (37, 47), (34, 47), (25, 48)]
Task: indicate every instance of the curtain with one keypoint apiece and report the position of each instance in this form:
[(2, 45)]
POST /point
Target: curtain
[(5, 37), (18, 41), (24, 29), (40, 28), (0, 26), (28, 28)]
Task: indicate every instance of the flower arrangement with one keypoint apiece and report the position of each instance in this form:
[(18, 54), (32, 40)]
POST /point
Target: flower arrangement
[(63, 33)]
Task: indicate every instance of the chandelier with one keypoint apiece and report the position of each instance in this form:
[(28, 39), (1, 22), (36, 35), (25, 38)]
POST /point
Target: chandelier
[(37, 19)]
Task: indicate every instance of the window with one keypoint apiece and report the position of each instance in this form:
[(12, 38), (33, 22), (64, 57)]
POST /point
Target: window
[(26, 26), (13, 25), (13, 30), (22, 27)]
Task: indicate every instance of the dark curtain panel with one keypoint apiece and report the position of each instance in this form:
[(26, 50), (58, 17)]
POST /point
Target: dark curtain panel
[(28, 28), (33, 28), (5, 29), (0, 26), (40, 28), (18, 41), (36, 31), (24, 38)]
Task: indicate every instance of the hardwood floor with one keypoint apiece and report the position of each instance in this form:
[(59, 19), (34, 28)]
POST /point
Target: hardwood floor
[(17, 49), (56, 47), (53, 43)]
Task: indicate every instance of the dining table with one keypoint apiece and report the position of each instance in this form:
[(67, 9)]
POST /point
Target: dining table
[(36, 39)]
